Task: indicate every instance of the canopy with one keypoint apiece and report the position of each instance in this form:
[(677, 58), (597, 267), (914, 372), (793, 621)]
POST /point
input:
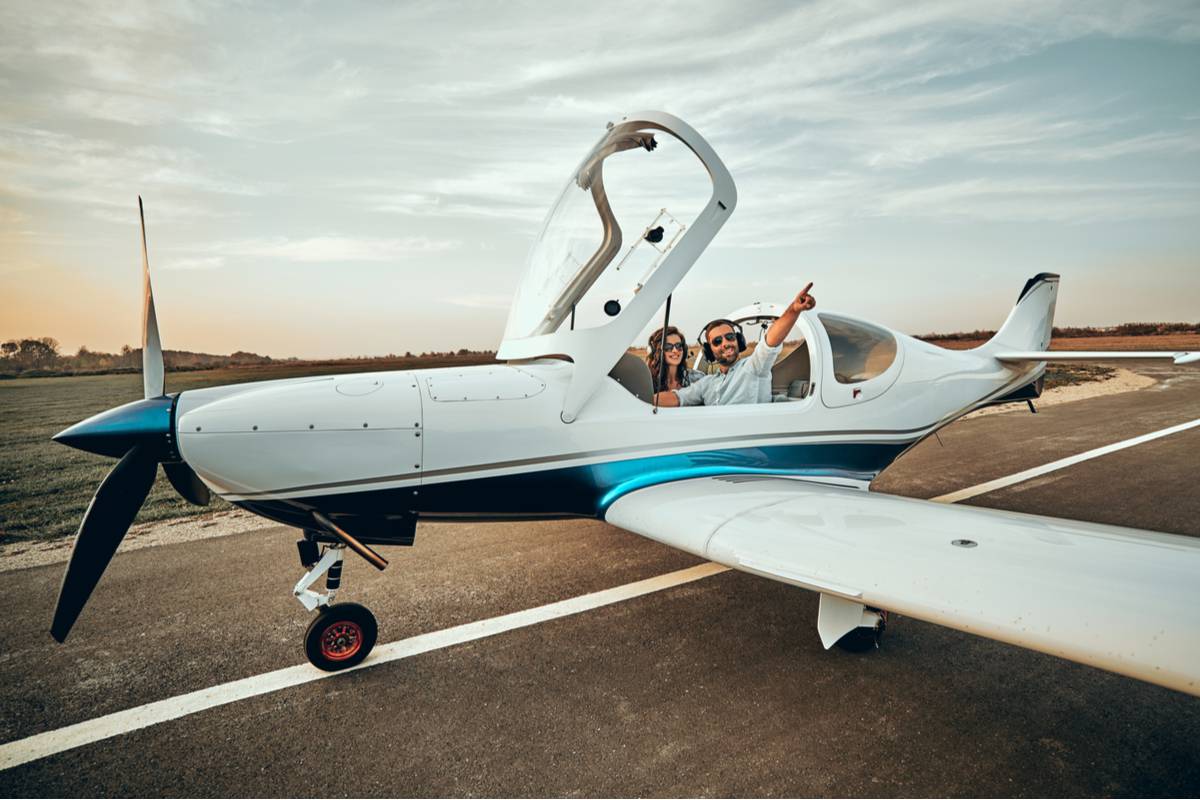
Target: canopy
[(633, 218)]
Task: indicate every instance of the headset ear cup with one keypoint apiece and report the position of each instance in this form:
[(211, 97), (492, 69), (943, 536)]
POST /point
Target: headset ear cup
[(741, 341)]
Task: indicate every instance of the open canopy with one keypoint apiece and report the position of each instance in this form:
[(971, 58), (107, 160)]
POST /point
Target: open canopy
[(633, 218)]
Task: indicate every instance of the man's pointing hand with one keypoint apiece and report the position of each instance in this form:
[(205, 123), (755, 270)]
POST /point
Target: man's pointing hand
[(804, 301)]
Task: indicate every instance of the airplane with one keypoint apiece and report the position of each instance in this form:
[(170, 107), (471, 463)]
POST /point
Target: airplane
[(565, 425)]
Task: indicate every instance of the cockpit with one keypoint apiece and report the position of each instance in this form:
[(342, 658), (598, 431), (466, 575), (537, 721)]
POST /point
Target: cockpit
[(791, 376), (853, 359)]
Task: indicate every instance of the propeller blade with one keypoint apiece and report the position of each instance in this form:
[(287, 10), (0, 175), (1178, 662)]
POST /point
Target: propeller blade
[(105, 522), (187, 483), (152, 357)]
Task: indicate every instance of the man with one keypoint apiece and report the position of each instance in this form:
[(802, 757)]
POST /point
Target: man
[(745, 381)]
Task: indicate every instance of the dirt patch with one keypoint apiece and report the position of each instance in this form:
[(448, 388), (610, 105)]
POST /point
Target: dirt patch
[(21, 555), (1121, 380), (1070, 374)]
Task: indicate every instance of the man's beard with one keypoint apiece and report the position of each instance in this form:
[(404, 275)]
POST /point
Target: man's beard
[(728, 358)]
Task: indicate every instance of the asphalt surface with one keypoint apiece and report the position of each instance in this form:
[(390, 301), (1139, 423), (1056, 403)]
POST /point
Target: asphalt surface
[(719, 687)]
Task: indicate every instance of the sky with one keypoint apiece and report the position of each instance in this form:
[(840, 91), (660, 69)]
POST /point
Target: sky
[(338, 179)]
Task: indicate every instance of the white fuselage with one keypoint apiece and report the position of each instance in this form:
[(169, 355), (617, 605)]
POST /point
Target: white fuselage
[(489, 441)]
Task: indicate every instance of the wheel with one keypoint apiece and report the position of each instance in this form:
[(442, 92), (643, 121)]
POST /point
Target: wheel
[(861, 640), (341, 636)]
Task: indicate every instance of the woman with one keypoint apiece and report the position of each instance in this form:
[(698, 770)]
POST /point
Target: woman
[(675, 373)]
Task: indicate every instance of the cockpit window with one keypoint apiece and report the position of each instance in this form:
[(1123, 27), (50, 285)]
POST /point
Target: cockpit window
[(860, 351), (620, 214)]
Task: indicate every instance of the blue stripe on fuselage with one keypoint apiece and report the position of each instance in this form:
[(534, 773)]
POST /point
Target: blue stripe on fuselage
[(859, 461), (585, 490)]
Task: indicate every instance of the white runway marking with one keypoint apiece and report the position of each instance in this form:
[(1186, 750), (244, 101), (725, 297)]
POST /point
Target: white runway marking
[(95, 730), (46, 744), (1009, 480)]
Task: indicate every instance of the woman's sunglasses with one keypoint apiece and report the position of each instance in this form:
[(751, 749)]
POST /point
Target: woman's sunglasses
[(669, 346)]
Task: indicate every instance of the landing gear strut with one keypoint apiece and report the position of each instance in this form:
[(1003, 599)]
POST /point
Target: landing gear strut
[(342, 634)]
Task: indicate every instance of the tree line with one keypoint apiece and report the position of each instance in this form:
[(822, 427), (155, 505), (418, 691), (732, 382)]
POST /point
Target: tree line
[(1069, 332), (42, 357)]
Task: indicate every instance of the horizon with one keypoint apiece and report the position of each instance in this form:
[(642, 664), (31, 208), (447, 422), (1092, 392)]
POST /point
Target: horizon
[(929, 335), (371, 182)]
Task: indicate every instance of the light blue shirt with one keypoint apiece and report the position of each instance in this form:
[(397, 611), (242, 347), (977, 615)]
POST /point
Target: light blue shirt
[(747, 381)]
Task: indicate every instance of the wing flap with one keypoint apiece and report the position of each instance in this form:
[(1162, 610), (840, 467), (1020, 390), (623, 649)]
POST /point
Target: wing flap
[(1115, 598)]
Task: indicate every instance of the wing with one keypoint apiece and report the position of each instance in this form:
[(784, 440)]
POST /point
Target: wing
[(1116, 598)]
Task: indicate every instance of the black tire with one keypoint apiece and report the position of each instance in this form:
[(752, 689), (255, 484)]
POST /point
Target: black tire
[(340, 637), (863, 640)]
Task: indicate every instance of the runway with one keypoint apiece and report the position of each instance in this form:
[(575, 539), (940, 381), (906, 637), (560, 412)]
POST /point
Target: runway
[(714, 686)]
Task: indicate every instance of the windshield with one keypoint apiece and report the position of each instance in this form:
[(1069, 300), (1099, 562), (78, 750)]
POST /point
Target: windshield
[(619, 215)]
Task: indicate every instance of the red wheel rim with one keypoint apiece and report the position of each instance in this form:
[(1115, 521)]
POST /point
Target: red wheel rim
[(341, 640)]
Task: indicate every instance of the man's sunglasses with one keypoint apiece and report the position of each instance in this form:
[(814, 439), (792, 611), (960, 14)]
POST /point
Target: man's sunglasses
[(729, 337), (669, 346)]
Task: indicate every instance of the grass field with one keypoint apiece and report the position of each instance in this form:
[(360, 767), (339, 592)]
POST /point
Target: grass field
[(45, 487)]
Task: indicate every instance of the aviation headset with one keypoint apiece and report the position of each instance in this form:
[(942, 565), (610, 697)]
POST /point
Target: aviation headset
[(708, 352)]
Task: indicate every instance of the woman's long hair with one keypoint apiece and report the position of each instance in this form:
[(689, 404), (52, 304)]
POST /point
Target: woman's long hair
[(654, 358)]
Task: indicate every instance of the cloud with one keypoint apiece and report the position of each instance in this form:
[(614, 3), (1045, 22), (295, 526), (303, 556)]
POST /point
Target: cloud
[(403, 130), (10, 217), (202, 262), (322, 249), (1033, 200), (488, 301), (56, 166), (1090, 149)]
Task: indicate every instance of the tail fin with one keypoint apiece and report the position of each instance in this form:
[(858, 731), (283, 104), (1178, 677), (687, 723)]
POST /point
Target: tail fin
[(1025, 336), (1030, 322)]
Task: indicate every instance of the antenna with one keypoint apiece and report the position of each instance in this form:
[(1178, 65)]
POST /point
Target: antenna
[(662, 352)]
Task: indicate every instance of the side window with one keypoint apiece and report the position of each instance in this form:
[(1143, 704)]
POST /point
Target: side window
[(860, 351)]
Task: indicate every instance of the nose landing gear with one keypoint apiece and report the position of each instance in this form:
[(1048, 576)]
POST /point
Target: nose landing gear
[(342, 634)]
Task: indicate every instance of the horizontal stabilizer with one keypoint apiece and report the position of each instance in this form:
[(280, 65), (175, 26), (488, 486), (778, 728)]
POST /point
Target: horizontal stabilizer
[(1092, 355)]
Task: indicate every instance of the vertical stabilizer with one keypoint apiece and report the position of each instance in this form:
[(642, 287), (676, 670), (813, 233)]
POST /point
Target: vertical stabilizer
[(1031, 321)]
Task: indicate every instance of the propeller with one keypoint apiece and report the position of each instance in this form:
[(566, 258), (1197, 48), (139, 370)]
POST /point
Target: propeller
[(140, 434), (105, 522), (187, 483), (152, 357)]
